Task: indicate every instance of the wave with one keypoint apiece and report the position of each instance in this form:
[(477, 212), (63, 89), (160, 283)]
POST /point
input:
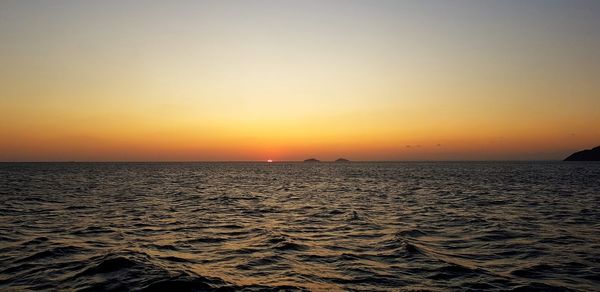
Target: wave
[(255, 227)]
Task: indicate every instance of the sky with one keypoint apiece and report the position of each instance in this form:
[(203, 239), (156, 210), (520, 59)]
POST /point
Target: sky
[(289, 80)]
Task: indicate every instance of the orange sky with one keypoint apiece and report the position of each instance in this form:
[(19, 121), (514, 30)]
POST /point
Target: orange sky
[(287, 80)]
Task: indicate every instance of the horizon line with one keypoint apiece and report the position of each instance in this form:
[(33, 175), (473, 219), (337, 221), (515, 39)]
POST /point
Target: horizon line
[(280, 161)]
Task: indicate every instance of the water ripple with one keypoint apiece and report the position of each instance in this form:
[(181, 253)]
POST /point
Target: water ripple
[(523, 226)]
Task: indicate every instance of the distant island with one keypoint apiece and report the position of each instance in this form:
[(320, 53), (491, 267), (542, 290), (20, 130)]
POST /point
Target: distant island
[(342, 160), (312, 160), (585, 155)]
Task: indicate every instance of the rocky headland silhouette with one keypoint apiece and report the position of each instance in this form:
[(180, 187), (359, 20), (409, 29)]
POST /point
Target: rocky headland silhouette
[(585, 155)]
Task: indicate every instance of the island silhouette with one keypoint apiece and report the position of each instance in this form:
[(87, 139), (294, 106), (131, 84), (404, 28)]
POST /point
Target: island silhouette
[(585, 155), (317, 160)]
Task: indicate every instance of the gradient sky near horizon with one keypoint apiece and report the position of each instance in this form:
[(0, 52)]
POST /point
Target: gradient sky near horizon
[(288, 80)]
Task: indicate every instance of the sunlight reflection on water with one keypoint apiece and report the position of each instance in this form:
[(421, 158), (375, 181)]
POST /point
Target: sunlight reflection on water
[(321, 226)]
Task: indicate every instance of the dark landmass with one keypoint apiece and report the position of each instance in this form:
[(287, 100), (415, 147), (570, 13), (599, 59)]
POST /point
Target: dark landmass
[(342, 160), (312, 160), (585, 155)]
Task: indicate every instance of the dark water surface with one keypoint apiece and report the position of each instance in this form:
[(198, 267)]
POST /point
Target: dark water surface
[(349, 226)]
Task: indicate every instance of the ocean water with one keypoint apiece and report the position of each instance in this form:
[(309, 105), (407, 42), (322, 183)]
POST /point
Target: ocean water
[(438, 226)]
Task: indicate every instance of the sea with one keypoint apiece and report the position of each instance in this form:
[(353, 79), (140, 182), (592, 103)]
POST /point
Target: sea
[(358, 226)]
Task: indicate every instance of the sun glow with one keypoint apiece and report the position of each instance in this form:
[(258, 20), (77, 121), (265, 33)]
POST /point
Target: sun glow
[(237, 81)]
